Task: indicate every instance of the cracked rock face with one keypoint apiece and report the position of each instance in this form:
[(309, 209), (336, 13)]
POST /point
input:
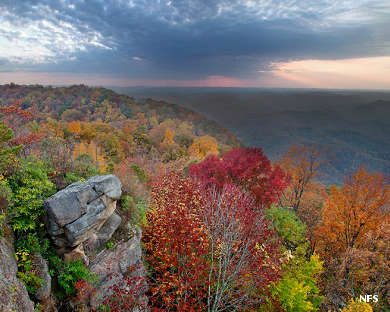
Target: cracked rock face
[(44, 291), (79, 213), (110, 267), (13, 293)]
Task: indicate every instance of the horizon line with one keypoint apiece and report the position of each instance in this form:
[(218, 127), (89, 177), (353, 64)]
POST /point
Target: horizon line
[(196, 87)]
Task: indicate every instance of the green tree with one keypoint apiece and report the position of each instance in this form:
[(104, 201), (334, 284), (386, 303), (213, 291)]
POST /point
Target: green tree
[(291, 230), (297, 290)]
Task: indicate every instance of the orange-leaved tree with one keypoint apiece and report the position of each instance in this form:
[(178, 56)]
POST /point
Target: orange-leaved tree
[(352, 211), (20, 121), (203, 146), (301, 163), (304, 194), (350, 238), (74, 127)]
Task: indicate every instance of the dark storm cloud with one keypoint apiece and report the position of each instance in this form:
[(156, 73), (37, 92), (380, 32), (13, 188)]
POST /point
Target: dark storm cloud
[(187, 39)]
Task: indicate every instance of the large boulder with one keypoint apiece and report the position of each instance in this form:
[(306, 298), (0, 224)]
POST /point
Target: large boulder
[(80, 219), (105, 232), (78, 213), (13, 293), (113, 265)]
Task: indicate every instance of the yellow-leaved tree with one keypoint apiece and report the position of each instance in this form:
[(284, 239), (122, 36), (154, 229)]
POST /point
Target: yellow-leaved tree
[(92, 150), (203, 146), (357, 306), (168, 137)]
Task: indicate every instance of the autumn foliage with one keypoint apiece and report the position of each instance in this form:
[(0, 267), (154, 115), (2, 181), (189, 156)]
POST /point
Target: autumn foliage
[(16, 111), (19, 120), (301, 163), (203, 146), (353, 238), (176, 245), (352, 211), (224, 228), (305, 194), (128, 293), (243, 250), (248, 168), (208, 248)]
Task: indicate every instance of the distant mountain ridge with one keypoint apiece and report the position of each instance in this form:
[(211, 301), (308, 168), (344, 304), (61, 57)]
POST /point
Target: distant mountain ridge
[(352, 128), (80, 102)]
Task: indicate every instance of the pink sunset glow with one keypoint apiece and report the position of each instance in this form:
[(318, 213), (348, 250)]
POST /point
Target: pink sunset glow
[(105, 80), (358, 73)]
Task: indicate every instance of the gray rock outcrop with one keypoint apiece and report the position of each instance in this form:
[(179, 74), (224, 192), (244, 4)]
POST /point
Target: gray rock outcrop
[(40, 264), (77, 254), (80, 219), (105, 232), (79, 213), (13, 293), (110, 267)]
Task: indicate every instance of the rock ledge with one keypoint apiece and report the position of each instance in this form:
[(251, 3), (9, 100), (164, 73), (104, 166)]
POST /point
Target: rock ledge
[(83, 213)]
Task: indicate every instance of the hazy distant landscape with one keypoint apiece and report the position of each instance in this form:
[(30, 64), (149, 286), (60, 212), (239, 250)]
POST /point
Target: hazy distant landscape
[(352, 128)]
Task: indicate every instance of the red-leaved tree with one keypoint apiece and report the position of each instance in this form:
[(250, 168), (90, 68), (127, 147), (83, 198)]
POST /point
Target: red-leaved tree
[(176, 245), (243, 251), (18, 119), (208, 249), (248, 168)]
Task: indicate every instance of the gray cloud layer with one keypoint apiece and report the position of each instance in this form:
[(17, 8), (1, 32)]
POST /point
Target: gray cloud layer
[(186, 39)]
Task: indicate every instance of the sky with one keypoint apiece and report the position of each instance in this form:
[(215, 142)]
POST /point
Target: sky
[(221, 43)]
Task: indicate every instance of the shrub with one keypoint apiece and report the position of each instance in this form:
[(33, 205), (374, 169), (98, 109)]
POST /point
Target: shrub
[(141, 174), (30, 187), (8, 159), (133, 210), (110, 245), (5, 194), (71, 273), (68, 274), (26, 271), (128, 294), (83, 168), (140, 214), (71, 177), (84, 291)]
